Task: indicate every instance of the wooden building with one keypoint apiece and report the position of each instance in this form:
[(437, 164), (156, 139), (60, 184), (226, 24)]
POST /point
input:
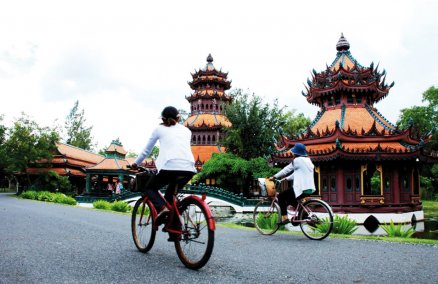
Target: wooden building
[(365, 165), (68, 161)]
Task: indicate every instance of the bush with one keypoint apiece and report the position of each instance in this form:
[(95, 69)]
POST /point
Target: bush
[(398, 230), (102, 204), (120, 206), (31, 194), (270, 223), (63, 199), (45, 196), (341, 225), (48, 197)]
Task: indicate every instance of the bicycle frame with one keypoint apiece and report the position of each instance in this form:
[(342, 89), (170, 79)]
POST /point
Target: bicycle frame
[(210, 219)]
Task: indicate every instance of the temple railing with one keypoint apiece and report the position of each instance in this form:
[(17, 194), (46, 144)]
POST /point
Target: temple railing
[(200, 189)]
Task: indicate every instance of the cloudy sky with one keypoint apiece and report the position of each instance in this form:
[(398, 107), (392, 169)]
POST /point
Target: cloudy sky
[(125, 60)]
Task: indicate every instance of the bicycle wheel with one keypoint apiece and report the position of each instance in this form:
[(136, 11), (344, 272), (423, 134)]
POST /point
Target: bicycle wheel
[(266, 217), (142, 226), (195, 246), (318, 218)]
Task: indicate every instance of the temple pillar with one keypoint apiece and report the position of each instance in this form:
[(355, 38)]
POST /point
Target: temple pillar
[(340, 185), (88, 184), (396, 186)]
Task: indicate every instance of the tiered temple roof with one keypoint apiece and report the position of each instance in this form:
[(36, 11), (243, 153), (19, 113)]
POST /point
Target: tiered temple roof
[(348, 126), (207, 102)]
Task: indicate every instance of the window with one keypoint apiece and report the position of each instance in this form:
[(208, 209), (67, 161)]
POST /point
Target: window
[(349, 183), (333, 183), (324, 184)]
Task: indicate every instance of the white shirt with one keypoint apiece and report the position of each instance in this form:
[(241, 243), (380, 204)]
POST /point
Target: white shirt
[(302, 174), (175, 151)]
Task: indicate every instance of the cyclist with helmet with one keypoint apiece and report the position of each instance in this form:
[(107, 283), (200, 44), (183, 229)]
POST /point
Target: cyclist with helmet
[(175, 159), (300, 171)]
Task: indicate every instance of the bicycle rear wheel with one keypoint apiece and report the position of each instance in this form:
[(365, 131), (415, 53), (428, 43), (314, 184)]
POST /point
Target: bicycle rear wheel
[(142, 226), (318, 218), (266, 218), (195, 246)]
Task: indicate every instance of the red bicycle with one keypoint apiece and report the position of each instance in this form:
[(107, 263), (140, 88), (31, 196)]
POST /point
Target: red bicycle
[(191, 224)]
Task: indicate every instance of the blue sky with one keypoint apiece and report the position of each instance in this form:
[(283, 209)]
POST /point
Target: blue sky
[(125, 60)]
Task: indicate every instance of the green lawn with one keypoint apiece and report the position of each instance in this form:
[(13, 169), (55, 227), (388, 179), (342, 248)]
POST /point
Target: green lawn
[(430, 209)]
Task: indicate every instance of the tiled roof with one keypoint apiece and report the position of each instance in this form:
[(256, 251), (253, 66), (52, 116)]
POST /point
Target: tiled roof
[(110, 164), (343, 59), (116, 148), (203, 153), (78, 154), (209, 120), (358, 119), (327, 120)]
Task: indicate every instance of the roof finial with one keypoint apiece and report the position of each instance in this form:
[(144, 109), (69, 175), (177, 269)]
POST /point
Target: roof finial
[(209, 58), (342, 43)]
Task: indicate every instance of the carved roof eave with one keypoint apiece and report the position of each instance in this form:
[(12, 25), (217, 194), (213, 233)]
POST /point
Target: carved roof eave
[(343, 136), (353, 71), (205, 127), (196, 96), (217, 80), (343, 154), (340, 85), (201, 72)]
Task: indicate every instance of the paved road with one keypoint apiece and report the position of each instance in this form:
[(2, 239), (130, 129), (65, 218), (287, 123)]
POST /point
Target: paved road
[(50, 243)]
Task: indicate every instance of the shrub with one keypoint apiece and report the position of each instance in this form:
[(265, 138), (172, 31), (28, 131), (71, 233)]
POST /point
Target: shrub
[(45, 196), (48, 197), (31, 194), (120, 206), (398, 230), (63, 199), (341, 225), (268, 223), (102, 204)]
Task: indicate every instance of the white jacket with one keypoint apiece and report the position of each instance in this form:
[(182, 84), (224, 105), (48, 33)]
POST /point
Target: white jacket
[(175, 150), (302, 170)]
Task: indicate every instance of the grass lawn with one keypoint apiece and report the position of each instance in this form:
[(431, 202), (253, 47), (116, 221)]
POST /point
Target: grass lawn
[(430, 209)]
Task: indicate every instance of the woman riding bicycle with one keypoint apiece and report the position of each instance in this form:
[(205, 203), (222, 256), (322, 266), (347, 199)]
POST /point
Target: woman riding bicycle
[(300, 171), (175, 162)]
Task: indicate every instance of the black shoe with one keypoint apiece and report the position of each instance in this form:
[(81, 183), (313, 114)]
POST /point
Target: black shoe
[(284, 222), (173, 237)]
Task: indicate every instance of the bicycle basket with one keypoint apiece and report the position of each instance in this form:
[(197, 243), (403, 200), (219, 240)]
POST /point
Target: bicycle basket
[(141, 179), (267, 187)]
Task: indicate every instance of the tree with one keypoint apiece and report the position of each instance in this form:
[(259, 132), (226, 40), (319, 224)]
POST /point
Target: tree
[(77, 134), (3, 130), (254, 126), (294, 124), (424, 120), (27, 142), (234, 173)]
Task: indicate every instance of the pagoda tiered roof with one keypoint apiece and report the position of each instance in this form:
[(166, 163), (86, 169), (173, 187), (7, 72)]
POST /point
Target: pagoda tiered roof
[(346, 75), (350, 127), (209, 83)]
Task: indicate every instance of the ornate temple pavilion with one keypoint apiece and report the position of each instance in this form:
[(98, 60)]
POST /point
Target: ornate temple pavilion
[(68, 161), (364, 164), (207, 102), (113, 167)]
